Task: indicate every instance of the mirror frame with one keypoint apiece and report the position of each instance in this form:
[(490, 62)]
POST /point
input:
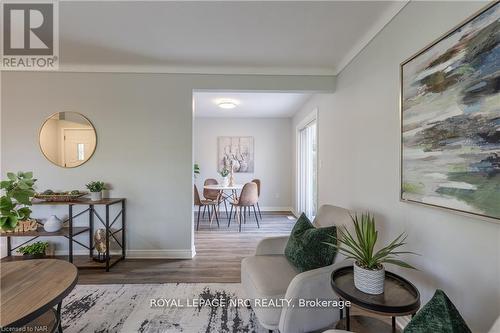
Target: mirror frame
[(40, 144)]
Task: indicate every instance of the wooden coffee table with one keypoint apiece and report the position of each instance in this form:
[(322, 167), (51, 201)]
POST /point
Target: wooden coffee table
[(30, 289), (400, 298)]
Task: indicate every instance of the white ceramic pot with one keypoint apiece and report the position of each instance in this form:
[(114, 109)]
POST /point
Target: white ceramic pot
[(53, 224), (369, 281), (96, 196), (224, 181)]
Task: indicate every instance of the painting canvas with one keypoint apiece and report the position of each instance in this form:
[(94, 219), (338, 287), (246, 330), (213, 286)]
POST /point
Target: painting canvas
[(450, 119), (238, 151)]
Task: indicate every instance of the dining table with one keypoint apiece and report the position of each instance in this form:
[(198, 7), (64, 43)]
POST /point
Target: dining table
[(223, 197)]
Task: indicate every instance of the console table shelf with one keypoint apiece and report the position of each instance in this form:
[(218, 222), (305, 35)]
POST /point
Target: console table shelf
[(71, 231), (40, 232)]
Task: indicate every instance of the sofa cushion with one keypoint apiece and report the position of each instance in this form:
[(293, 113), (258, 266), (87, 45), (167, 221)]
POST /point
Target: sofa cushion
[(438, 315), (306, 249), (269, 275)]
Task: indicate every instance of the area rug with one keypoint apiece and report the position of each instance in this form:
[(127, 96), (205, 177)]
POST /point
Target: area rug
[(182, 307)]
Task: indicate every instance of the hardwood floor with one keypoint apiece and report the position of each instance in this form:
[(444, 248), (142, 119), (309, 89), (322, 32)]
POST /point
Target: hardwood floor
[(219, 252)]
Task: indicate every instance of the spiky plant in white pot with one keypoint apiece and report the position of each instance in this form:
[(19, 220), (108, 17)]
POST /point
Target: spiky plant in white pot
[(369, 271)]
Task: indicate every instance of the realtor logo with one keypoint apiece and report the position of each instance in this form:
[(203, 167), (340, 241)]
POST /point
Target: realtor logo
[(30, 36)]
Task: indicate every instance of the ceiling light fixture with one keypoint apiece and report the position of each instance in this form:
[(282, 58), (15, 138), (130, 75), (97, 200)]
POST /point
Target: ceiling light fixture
[(227, 104)]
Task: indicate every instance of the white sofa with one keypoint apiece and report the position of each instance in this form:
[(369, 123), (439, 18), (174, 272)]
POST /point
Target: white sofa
[(269, 275)]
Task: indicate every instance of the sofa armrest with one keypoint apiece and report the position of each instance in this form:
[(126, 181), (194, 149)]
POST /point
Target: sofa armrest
[(310, 285), (271, 245)]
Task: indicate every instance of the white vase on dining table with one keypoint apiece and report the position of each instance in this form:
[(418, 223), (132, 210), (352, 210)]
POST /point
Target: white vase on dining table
[(225, 181)]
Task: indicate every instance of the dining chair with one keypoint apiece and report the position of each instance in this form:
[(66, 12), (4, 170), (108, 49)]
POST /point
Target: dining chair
[(257, 181), (206, 204), (212, 195), (248, 199)]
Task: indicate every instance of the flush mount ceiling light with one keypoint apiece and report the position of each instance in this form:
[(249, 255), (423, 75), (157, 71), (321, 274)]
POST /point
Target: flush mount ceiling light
[(227, 103)]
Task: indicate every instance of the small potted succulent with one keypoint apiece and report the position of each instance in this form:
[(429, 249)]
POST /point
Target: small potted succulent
[(369, 271), (18, 191), (196, 170), (96, 188), (34, 251), (224, 173)]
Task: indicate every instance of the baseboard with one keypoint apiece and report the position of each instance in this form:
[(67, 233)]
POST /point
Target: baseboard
[(161, 254), (142, 254)]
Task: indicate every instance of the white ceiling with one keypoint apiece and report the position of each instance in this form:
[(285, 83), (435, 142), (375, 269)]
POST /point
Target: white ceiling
[(251, 104), (262, 37)]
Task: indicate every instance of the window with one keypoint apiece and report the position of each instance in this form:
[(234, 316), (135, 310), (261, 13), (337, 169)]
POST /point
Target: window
[(307, 169), (81, 151)]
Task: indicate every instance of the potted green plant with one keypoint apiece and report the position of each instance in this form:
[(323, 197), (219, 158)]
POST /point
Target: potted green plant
[(96, 188), (224, 173), (369, 271), (18, 191), (196, 170), (35, 250)]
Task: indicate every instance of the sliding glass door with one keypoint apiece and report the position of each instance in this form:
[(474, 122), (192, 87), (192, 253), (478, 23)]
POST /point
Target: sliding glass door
[(307, 169)]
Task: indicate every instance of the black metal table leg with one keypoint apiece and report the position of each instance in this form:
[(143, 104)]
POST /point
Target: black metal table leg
[(58, 317), (394, 324), (9, 246), (108, 233), (123, 229), (347, 319), (91, 230), (70, 232)]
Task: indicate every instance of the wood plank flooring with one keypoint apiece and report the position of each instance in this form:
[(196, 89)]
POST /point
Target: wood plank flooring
[(219, 251)]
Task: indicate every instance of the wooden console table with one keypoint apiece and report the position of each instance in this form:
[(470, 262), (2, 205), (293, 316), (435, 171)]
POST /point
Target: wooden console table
[(71, 231)]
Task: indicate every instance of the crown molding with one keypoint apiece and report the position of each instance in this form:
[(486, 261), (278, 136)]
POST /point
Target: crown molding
[(212, 70), (376, 28)]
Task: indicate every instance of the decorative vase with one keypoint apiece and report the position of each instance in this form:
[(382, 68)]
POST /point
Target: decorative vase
[(225, 181), (53, 224), (100, 245), (369, 281), (96, 196)]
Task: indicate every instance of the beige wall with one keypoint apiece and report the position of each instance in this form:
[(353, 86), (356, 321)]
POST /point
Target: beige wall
[(273, 154), (144, 126), (359, 154)]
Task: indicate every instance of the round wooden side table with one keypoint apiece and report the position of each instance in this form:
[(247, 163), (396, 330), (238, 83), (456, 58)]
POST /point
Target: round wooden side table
[(30, 289), (400, 298)]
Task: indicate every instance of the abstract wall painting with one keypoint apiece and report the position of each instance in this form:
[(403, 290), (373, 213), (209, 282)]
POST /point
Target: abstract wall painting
[(450, 119), (238, 151)]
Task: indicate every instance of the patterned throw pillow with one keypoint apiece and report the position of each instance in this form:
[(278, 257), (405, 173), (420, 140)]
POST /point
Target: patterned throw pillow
[(439, 315), (305, 248)]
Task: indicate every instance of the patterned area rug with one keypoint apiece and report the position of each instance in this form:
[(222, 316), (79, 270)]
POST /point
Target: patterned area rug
[(144, 308)]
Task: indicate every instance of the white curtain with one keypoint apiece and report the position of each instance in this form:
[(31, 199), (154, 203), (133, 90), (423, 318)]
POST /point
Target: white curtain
[(307, 170)]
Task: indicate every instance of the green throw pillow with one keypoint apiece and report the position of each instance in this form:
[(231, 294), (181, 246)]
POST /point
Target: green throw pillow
[(439, 315), (305, 248)]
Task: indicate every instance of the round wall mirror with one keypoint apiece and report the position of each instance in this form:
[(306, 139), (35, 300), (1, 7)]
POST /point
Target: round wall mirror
[(67, 139)]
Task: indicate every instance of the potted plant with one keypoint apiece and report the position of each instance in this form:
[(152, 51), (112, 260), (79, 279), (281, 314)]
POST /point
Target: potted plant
[(18, 191), (369, 272), (224, 174), (196, 170), (35, 250), (96, 188)]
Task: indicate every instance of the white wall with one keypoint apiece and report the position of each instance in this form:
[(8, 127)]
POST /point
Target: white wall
[(144, 125), (359, 153), (273, 154)]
